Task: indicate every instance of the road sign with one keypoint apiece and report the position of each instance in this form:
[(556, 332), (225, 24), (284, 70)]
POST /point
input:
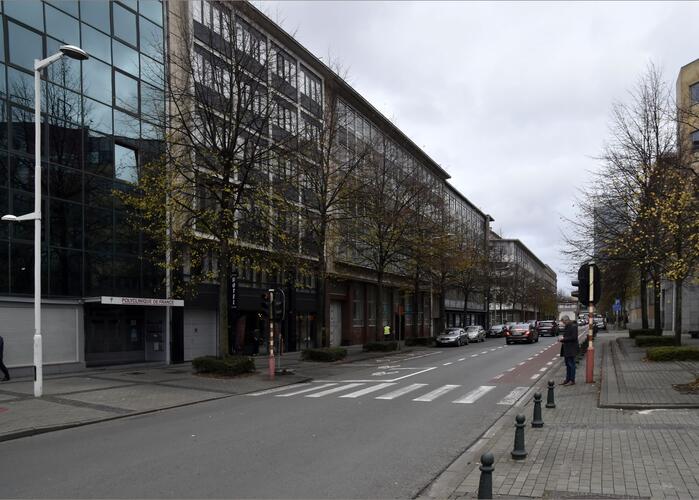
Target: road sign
[(616, 307)]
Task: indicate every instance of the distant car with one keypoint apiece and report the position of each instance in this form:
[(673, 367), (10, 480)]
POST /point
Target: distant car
[(547, 327), (522, 332), (476, 333), (452, 336), (497, 331), (600, 322)]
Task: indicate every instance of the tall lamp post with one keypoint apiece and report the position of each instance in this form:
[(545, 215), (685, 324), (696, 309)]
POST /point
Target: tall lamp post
[(39, 64)]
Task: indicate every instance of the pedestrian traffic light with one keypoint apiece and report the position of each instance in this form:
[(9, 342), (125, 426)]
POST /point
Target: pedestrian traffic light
[(264, 305), (279, 306)]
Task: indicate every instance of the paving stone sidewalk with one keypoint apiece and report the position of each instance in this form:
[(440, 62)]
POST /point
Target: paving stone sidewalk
[(584, 451)]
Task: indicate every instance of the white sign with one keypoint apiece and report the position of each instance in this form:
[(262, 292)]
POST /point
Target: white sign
[(141, 301)]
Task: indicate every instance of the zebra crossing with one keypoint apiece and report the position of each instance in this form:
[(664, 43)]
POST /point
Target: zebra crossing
[(387, 391)]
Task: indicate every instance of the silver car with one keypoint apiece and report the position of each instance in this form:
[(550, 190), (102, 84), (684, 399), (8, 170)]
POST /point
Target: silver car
[(476, 333), (452, 336)]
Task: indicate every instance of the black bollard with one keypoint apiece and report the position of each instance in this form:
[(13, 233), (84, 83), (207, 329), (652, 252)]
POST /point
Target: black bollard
[(537, 421), (519, 453), (485, 485), (550, 403)]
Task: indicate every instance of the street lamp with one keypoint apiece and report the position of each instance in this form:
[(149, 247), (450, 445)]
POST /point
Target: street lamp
[(39, 64)]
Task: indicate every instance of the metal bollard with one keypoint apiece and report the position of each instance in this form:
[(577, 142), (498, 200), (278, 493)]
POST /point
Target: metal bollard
[(537, 421), (519, 453), (550, 403), (485, 485)]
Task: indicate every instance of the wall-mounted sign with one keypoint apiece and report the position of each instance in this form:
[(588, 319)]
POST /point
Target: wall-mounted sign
[(141, 301)]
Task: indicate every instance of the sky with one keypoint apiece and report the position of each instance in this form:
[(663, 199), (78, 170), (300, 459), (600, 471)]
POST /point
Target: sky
[(512, 99)]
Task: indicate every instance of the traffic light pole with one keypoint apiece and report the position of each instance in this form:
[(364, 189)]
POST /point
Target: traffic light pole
[(590, 355), (271, 334)]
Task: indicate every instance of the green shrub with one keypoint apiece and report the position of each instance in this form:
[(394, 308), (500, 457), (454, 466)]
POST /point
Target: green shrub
[(645, 332), (653, 341), (411, 341), (682, 353), (229, 365), (381, 346), (326, 354)]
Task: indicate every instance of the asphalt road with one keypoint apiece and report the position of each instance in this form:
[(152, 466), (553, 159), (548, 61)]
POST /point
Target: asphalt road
[(383, 428)]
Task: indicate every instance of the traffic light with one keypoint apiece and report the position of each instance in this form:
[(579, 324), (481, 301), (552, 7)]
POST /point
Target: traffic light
[(583, 284), (575, 293), (279, 307), (264, 305)]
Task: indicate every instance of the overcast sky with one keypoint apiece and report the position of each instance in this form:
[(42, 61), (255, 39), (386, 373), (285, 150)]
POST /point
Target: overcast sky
[(512, 99)]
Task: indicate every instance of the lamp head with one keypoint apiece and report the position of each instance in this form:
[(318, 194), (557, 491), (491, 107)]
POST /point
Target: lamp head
[(74, 52), (9, 218)]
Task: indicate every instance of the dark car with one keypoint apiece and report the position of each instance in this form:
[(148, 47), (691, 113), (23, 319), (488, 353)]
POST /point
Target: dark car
[(522, 332), (600, 322), (497, 331), (547, 327), (452, 336)]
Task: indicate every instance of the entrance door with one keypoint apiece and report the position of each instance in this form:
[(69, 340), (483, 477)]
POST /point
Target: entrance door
[(114, 335), (335, 323)]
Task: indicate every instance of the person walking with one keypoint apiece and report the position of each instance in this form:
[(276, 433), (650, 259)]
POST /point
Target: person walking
[(569, 349), (3, 368)]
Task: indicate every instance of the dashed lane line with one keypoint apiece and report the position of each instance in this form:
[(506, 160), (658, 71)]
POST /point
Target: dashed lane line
[(447, 364), (462, 359)]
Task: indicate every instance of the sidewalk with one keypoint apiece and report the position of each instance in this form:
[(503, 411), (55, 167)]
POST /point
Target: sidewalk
[(97, 395), (584, 451)]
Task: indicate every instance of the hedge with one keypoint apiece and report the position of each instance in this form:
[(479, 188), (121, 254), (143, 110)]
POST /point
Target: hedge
[(645, 332), (326, 354), (230, 365), (654, 340), (682, 353), (381, 346), (411, 341)]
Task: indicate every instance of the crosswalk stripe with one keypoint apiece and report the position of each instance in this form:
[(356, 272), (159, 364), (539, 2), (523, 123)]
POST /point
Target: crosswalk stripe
[(536, 376), (462, 359), (279, 389), (436, 393), (368, 390), (402, 391), (475, 394), (513, 396), (323, 386), (332, 391)]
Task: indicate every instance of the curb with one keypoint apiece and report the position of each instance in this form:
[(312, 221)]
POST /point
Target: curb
[(34, 431)]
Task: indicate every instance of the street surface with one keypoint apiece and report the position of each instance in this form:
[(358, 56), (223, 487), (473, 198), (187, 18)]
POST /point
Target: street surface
[(381, 428)]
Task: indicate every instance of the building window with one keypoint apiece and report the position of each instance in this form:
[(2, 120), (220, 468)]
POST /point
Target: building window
[(694, 93), (310, 85), (285, 67), (125, 166), (695, 139)]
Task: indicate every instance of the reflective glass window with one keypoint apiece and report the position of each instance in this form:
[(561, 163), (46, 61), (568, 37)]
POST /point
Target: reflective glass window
[(69, 6), (63, 104), (62, 27), (151, 131), (65, 183), (66, 221), (22, 175), (98, 230), (65, 71), (126, 276), (125, 92), (98, 274), (30, 13), (65, 277), (97, 116), (124, 24), (125, 166), (99, 151), (3, 89), (98, 191), (2, 42), (126, 126), (151, 38), (21, 267), (152, 103), (97, 80), (96, 14), (125, 236), (3, 124), (23, 203), (4, 171), (125, 58), (152, 72), (25, 46), (96, 44), (4, 266), (20, 87), (65, 143), (153, 10), (22, 130), (5, 209), (133, 4)]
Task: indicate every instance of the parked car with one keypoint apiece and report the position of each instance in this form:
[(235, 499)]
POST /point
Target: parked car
[(522, 332), (476, 333), (496, 331), (547, 327), (452, 336)]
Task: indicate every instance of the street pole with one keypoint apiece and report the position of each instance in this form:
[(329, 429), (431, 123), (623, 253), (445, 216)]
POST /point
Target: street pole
[(590, 355), (271, 333)]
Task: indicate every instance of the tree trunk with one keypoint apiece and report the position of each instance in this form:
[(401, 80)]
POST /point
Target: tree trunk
[(644, 301), (677, 304), (657, 319), (467, 293), (223, 275), (416, 303), (321, 292), (442, 308), (378, 332)]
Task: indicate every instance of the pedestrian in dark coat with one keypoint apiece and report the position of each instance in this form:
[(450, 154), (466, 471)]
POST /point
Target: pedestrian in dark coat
[(569, 349), (3, 368)]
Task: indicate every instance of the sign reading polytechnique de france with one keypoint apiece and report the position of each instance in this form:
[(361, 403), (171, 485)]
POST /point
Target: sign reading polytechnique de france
[(141, 301)]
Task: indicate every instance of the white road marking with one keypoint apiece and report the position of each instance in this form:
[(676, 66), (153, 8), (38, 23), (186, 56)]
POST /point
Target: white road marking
[(323, 386), (462, 359), (520, 364), (368, 390), (332, 391), (389, 380), (475, 394), (543, 369), (484, 352), (447, 364), (279, 389), (401, 391), (493, 349), (529, 359), (536, 376), (501, 347), (511, 369), (436, 393), (474, 355), (549, 363), (512, 397), (498, 376)]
